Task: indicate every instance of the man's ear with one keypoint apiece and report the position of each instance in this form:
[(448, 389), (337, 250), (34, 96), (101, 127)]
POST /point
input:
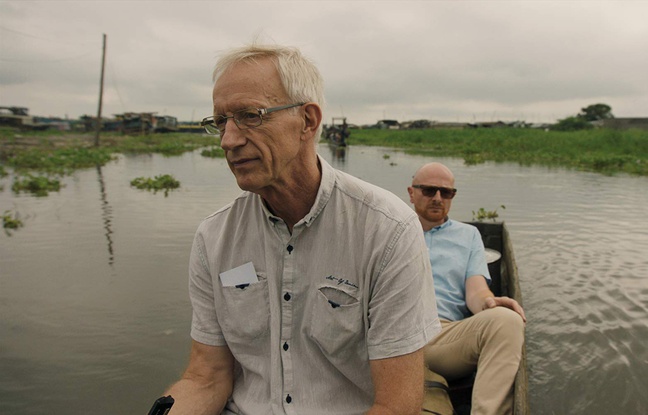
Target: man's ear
[(312, 119), (410, 190)]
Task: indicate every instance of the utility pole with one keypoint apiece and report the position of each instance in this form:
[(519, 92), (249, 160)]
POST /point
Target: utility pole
[(101, 84)]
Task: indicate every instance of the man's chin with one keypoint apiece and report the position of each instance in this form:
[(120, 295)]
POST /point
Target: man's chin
[(247, 183), (435, 216)]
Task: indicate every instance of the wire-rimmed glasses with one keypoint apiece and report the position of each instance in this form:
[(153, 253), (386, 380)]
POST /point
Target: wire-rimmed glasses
[(244, 119)]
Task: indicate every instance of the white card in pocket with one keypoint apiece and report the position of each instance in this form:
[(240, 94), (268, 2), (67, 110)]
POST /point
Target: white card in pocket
[(244, 274)]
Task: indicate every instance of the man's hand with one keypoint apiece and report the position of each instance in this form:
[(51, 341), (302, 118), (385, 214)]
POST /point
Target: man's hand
[(479, 297), (492, 302)]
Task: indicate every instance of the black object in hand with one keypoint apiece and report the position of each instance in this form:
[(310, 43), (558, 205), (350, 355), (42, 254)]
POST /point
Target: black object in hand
[(162, 406)]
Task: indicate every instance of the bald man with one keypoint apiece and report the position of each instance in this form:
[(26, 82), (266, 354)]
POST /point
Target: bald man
[(479, 330)]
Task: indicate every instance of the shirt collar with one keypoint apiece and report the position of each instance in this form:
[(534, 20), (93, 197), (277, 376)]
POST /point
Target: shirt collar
[(327, 182), (323, 193), (444, 225)]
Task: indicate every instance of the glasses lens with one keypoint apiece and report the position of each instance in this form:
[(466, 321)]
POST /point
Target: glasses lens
[(249, 118), (446, 193), (219, 123), (430, 191), (208, 125)]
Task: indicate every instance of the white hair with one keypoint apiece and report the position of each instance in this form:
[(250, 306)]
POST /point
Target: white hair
[(299, 76)]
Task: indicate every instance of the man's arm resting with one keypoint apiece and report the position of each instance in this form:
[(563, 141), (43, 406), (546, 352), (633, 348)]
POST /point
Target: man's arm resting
[(398, 384), (206, 384), (479, 297)]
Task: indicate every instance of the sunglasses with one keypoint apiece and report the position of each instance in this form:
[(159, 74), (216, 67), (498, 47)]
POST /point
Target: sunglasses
[(430, 191)]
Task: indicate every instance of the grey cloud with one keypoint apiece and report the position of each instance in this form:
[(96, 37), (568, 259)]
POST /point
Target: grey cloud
[(439, 60)]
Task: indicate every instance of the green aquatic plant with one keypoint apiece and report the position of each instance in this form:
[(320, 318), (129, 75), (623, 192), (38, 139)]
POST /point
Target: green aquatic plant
[(11, 222), (60, 161), (171, 144), (213, 152), (62, 153), (36, 185), (483, 214), (163, 182), (600, 150)]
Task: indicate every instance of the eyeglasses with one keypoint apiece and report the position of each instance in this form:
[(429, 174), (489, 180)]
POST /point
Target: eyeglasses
[(430, 191), (244, 119)]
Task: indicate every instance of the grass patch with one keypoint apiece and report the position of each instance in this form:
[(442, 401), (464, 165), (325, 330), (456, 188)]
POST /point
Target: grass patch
[(604, 151), (164, 183), (170, 144), (60, 161), (599, 150), (213, 152), (63, 152), (36, 185)]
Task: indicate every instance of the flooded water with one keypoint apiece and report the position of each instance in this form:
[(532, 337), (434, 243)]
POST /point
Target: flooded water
[(94, 313)]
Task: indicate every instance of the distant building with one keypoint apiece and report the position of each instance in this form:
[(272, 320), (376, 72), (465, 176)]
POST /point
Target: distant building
[(388, 124), (19, 117), (16, 117)]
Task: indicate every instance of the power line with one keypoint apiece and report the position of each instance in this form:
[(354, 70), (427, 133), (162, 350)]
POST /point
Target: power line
[(115, 85)]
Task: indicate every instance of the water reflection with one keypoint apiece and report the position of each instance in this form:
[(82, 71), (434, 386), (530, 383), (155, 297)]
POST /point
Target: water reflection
[(338, 156), (106, 215)]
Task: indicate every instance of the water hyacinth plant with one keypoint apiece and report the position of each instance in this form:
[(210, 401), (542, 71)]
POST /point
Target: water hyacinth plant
[(10, 222), (37, 185), (164, 182)]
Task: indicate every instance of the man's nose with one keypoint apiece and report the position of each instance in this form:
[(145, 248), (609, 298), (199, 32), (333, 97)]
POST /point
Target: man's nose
[(233, 136)]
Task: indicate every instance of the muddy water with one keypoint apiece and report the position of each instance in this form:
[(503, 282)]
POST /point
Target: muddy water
[(94, 314)]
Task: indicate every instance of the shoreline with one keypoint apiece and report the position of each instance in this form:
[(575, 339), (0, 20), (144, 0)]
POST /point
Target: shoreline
[(602, 151)]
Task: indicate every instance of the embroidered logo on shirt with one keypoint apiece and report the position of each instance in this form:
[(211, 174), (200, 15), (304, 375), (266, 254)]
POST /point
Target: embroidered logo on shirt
[(341, 281)]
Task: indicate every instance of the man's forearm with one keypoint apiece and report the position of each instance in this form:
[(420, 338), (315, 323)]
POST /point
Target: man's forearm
[(477, 301), (398, 384), (206, 384)]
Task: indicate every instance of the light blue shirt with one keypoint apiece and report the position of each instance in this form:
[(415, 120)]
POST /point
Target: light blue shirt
[(456, 253)]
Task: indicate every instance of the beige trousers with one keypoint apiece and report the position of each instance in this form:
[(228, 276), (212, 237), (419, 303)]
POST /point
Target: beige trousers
[(491, 341)]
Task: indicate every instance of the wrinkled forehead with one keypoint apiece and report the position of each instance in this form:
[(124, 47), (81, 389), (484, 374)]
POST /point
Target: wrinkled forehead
[(257, 66), (248, 83)]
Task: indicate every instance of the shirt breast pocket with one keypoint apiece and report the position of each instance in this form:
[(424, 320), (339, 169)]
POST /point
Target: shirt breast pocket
[(246, 312), (335, 320)]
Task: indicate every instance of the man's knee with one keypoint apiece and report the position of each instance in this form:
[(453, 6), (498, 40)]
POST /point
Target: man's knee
[(505, 323)]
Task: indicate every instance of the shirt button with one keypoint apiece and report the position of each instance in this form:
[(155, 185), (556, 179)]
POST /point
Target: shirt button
[(289, 248), (287, 296), (288, 399), (285, 346)]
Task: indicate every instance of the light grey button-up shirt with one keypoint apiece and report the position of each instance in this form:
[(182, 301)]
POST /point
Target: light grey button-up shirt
[(350, 284)]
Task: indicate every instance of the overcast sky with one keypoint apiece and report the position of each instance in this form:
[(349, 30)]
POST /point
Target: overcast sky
[(461, 61)]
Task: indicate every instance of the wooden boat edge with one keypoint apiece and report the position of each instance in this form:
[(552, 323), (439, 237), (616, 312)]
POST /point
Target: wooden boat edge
[(510, 286)]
